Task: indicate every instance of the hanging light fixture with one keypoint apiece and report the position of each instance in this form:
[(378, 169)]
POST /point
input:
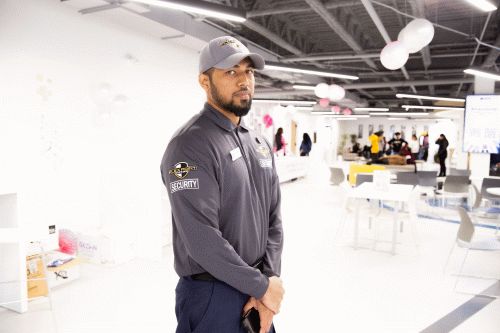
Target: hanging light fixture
[(484, 5), (201, 8), (304, 70)]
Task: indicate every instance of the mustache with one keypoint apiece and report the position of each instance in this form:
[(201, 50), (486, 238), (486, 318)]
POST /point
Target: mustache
[(246, 91)]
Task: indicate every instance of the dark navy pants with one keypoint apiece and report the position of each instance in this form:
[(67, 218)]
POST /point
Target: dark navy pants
[(208, 307)]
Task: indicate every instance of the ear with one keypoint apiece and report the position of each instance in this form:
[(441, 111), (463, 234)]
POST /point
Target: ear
[(204, 82)]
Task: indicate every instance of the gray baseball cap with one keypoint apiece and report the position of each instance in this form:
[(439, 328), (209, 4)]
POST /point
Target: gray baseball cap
[(225, 52)]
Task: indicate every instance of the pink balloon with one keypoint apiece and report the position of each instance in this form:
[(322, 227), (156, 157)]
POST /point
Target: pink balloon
[(268, 120), (324, 102), (335, 109), (347, 111)]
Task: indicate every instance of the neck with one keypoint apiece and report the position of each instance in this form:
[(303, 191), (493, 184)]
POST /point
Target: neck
[(231, 116)]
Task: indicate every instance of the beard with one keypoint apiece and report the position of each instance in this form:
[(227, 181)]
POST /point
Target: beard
[(239, 111)]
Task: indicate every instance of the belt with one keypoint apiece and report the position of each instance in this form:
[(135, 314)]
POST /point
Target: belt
[(209, 277)]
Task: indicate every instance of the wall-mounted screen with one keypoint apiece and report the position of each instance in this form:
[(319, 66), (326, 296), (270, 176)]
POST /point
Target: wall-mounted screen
[(482, 124)]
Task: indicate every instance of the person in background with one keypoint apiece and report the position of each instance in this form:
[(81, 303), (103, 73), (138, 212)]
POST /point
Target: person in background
[(374, 141), (424, 146), (279, 142), (356, 148), (382, 143), (396, 143), (414, 147), (306, 145), (442, 154), (406, 153)]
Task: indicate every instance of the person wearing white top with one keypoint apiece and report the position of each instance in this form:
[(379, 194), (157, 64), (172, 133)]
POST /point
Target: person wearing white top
[(414, 146)]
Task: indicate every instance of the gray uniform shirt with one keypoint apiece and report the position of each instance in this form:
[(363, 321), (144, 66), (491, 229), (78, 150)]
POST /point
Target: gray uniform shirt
[(225, 198)]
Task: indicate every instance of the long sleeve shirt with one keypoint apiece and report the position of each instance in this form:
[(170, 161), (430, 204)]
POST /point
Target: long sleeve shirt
[(225, 199)]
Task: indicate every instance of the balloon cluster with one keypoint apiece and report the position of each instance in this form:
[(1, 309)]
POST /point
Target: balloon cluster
[(414, 37), (336, 109), (331, 92), (347, 112), (268, 120)]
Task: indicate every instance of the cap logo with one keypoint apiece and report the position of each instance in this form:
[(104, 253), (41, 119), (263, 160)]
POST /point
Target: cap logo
[(230, 42)]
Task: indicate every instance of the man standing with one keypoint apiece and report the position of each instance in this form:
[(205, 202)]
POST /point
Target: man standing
[(225, 198), (396, 143)]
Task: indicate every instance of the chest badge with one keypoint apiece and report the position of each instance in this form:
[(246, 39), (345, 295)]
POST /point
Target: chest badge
[(263, 151)]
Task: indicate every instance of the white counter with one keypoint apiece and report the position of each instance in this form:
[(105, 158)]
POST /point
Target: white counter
[(291, 167)]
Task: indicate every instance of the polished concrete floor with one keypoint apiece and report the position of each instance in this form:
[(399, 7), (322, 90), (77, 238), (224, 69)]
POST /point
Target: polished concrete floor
[(330, 287)]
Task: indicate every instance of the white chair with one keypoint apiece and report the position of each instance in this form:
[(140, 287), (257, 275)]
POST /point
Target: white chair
[(348, 208), (465, 239), (410, 215), (337, 176), (455, 187), (486, 212)]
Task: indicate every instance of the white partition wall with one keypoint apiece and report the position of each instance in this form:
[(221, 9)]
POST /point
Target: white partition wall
[(13, 284)]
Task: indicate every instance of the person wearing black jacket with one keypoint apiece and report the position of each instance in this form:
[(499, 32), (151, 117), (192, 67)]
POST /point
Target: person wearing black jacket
[(442, 154), (306, 145), (396, 143)]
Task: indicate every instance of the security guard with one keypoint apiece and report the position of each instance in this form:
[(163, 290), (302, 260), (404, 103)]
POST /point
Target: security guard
[(225, 199)]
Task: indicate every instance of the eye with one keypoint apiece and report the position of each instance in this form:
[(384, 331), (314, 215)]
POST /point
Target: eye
[(251, 71), (231, 72)]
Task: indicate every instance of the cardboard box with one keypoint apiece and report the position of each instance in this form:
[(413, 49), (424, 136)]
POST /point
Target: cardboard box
[(101, 249), (37, 281)]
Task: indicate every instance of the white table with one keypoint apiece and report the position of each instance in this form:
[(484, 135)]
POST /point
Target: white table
[(291, 167), (396, 192), (493, 190)]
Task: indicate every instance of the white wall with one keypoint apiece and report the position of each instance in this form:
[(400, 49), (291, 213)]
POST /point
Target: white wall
[(82, 128)]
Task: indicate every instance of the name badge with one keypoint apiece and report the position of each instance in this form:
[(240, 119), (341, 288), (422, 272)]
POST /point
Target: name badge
[(235, 153)]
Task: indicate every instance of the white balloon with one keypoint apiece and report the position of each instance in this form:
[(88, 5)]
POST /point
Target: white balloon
[(335, 92), (410, 44), (321, 90), (394, 55), (418, 33)]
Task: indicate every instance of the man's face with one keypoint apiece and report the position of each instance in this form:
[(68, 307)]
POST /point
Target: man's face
[(232, 89)]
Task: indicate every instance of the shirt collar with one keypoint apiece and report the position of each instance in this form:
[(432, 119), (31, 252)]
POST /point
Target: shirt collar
[(222, 121)]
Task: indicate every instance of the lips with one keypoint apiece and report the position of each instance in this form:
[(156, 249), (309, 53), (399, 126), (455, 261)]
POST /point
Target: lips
[(242, 94)]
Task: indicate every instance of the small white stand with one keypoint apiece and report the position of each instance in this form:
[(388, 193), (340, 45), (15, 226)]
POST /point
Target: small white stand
[(13, 279)]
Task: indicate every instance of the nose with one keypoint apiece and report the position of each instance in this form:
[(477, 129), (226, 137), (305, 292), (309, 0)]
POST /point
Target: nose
[(243, 80)]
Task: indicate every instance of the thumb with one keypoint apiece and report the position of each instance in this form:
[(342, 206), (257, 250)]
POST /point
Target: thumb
[(250, 304)]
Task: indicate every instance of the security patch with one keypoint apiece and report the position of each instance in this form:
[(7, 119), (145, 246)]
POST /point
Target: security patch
[(186, 184), (267, 163), (181, 169), (263, 151)]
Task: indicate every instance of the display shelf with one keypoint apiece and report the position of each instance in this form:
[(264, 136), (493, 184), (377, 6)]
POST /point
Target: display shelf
[(13, 281)]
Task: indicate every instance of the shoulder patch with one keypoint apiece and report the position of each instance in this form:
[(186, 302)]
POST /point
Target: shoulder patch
[(186, 184), (182, 169)]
